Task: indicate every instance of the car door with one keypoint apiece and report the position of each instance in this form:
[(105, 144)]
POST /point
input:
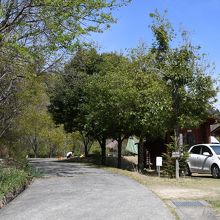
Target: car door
[(204, 161), (194, 158)]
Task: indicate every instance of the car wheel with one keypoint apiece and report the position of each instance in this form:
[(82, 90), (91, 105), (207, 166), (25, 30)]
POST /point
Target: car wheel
[(215, 171), (188, 172)]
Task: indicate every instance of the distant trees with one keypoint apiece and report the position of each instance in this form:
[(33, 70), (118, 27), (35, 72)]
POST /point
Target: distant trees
[(13, 70)]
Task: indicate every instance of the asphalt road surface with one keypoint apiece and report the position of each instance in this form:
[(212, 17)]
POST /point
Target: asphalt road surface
[(79, 191)]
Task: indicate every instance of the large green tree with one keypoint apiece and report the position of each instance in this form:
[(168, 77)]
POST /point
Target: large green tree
[(126, 102), (190, 86), (68, 94), (109, 102), (80, 85)]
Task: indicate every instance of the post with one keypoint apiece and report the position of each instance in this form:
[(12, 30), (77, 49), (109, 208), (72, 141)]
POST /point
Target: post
[(180, 145), (158, 164), (177, 168), (176, 155)]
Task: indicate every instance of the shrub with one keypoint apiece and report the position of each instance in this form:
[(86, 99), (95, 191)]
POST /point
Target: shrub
[(12, 179), (170, 162)]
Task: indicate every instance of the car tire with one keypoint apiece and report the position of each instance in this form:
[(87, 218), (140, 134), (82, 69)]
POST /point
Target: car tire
[(215, 171), (188, 172)]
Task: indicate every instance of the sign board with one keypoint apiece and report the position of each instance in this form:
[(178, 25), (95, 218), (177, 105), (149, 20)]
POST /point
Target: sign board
[(175, 154), (159, 161)]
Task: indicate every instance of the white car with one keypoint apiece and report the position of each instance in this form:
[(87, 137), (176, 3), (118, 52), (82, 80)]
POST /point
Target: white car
[(204, 158)]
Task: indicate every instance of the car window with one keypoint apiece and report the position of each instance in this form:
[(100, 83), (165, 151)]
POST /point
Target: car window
[(195, 150), (206, 149), (216, 148)]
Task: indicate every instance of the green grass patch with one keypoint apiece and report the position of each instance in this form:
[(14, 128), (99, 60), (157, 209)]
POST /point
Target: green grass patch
[(12, 179), (215, 204)]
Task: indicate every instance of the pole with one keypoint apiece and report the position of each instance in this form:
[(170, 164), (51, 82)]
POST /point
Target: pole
[(158, 171), (177, 168)]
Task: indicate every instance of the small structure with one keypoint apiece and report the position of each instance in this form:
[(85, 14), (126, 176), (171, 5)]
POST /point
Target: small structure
[(132, 145)]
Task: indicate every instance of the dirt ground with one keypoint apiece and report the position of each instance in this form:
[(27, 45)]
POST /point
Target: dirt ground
[(197, 187)]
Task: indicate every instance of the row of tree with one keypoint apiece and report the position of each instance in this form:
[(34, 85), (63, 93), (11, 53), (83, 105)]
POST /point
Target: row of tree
[(34, 36), (147, 92)]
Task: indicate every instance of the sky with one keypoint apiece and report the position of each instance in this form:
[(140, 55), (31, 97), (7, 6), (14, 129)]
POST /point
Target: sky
[(201, 18)]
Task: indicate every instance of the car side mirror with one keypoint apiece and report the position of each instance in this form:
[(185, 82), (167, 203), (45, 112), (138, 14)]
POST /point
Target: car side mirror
[(206, 154)]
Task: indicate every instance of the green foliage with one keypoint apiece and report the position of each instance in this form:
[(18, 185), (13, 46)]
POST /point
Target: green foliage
[(146, 93), (52, 25), (32, 35), (33, 128), (95, 149), (185, 74), (33, 171), (13, 71), (160, 27), (169, 164)]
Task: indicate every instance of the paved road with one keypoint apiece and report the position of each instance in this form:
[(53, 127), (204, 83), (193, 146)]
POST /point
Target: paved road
[(81, 192)]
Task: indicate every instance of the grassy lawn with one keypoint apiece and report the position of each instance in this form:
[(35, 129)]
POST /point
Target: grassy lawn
[(198, 187)]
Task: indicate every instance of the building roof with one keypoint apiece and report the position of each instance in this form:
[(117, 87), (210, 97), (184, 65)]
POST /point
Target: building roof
[(214, 127)]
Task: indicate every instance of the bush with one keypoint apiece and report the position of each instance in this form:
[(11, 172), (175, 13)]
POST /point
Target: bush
[(12, 179), (95, 149), (170, 162)]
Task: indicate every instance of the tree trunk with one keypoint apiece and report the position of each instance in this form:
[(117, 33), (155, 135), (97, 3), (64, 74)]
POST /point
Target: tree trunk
[(103, 152), (119, 153), (86, 150), (102, 143), (35, 149), (141, 155), (176, 137)]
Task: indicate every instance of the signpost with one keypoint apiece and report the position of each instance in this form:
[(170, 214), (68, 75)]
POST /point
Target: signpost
[(175, 154), (158, 164)]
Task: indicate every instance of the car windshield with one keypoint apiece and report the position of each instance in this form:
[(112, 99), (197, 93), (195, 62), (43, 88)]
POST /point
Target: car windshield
[(216, 148)]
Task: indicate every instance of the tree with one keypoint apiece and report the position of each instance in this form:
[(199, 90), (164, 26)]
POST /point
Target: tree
[(13, 70), (108, 104), (53, 24), (76, 100), (33, 34), (117, 100), (68, 94), (124, 100), (191, 88), (33, 128)]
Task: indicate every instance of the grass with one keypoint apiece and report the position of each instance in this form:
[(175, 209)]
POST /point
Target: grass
[(12, 179), (14, 176)]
